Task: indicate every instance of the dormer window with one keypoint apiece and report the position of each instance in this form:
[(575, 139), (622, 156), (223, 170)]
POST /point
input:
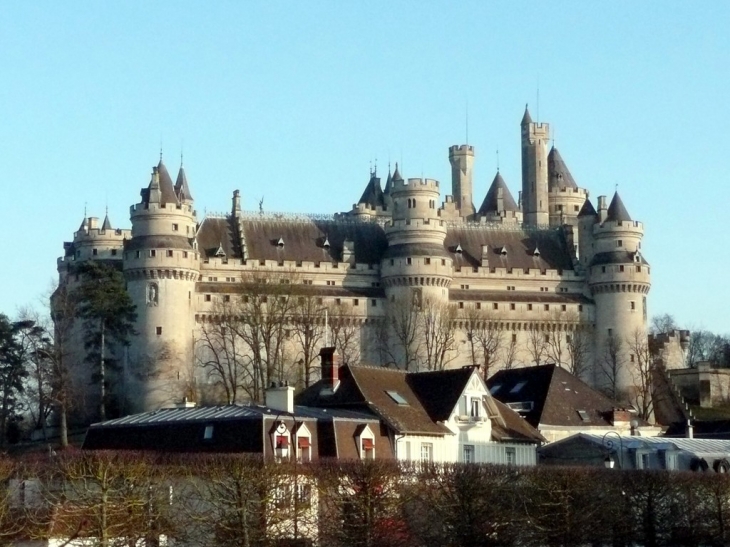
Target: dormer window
[(365, 441), (459, 249), (368, 449), (326, 243), (536, 252), (476, 404), (280, 243), (503, 251), (280, 438)]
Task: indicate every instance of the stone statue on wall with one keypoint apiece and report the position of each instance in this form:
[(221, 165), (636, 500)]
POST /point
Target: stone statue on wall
[(152, 294)]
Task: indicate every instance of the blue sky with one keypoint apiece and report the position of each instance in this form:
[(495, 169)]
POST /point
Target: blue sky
[(291, 101)]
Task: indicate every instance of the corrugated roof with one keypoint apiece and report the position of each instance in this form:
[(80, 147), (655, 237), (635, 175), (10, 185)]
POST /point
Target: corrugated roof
[(695, 446)]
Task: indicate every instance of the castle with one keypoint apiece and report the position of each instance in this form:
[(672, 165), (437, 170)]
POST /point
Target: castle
[(546, 278)]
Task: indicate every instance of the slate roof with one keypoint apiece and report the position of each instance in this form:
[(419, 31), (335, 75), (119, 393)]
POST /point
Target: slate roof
[(490, 203), (587, 209), (182, 190), (471, 295), (373, 194), (556, 396), (106, 225), (617, 257), (215, 232), (617, 211), (440, 390), (515, 426), (167, 191), (526, 118), (520, 246), (558, 174)]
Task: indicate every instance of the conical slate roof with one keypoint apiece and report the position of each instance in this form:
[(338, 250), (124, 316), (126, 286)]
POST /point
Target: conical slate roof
[(167, 192), (617, 211), (587, 209), (373, 195), (84, 223), (526, 118), (558, 174), (182, 190), (388, 183), (490, 203), (396, 174), (106, 225)]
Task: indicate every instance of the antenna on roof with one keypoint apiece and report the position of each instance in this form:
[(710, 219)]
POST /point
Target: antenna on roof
[(85, 209), (182, 149), (160, 147)]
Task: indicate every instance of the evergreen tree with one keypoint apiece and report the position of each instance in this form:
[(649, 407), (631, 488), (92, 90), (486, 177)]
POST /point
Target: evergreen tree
[(108, 314), (12, 373)]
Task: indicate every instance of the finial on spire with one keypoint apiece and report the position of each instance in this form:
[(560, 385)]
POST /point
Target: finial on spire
[(497, 160), (85, 203)]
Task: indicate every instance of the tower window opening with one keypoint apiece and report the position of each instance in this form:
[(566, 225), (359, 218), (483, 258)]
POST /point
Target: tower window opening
[(563, 307), (529, 307), (621, 268), (114, 252), (495, 306), (633, 305), (547, 307), (409, 261), (153, 253), (169, 254), (94, 252), (619, 243), (207, 298), (159, 331), (175, 227)]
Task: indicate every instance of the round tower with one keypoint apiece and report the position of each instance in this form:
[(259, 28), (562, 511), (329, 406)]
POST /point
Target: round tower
[(619, 281), (161, 266)]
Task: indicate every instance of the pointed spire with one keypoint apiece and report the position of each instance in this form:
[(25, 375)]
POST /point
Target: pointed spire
[(106, 225), (373, 195), (84, 223), (587, 209), (396, 174), (326, 243), (617, 211), (558, 174), (388, 182), (182, 190), (167, 191), (526, 119), (491, 201)]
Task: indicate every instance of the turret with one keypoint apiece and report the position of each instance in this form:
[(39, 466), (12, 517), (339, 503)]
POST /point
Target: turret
[(372, 201), (534, 200), (619, 281), (587, 218), (462, 166), (565, 199), (161, 269)]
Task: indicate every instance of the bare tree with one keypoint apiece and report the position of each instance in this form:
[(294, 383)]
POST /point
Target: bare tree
[(438, 332), (663, 323), (345, 332), (579, 351), (509, 352), (485, 339), (309, 330), (537, 342), (399, 337), (611, 365), (642, 369)]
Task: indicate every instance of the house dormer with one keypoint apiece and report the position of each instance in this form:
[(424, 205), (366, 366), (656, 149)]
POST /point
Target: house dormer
[(365, 440)]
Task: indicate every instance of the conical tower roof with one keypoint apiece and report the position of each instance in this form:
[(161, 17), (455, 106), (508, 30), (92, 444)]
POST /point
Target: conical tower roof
[(106, 225), (84, 223), (587, 209), (558, 174), (396, 174), (526, 118), (373, 195), (617, 211), (167, 191), (182, 190), (388, 183), (490, 203)]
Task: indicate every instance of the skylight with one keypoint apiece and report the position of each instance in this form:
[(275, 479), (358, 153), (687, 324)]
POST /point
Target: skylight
[(397, 397), (495, 388), (584, 416), (518, 387)]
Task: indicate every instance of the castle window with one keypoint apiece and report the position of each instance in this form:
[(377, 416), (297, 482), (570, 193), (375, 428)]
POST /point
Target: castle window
[(638, 269), (338, 301), (547, 338), (461, 305), (443, 262), (374, 303), (355, 302), (94, 252), (207, 298), (169, 254), (227, 298), (136, 255), (529, 307), (153, 253), (185, 254), (159, 331), (547, 307), (392, 261), (512, 306), (408, 261), (621, 268), (514, 337), (633, 305), (563, 307), (262, 263), (479, 305), (575, 208), (631, 357), (580, 307), (619, 243), (114, 252), (603, 269), (427, 261), (495, 306), (560, 208), (319, 301), (174, 227)]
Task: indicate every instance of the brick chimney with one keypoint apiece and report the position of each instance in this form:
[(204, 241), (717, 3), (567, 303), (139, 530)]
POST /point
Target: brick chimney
[(621, 417), (330, 372)]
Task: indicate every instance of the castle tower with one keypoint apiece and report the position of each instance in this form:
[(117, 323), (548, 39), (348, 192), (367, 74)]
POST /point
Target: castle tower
[(372, 201), (415, 269), (161, 268), (619, 281), (462, 166), (587, 218), (535, 137), (565, 199)]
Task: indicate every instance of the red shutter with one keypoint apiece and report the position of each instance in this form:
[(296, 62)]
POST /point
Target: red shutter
[(303, 442), (367, 444), (282, 441)]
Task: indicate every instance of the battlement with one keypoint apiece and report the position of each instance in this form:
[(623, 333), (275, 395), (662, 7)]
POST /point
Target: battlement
[(466, 149), (415, 185), (92, 235), (141, 208), (538, 128), (619, 226), (568, 192)]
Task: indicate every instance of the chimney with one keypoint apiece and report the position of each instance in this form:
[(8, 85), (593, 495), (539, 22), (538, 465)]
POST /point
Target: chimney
[(236, 203), (690, 430), (330, 374), (602, 209), (280, 397), (621, 417)]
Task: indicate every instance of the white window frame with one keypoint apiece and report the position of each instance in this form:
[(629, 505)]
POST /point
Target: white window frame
[(427, 452), (366, 435), (469, 449), (510, 455)]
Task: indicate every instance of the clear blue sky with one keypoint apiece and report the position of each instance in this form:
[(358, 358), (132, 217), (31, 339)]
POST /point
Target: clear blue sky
[(293, 100)]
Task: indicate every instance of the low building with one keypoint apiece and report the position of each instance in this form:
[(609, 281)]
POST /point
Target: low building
[(558, 404), (632, 452)]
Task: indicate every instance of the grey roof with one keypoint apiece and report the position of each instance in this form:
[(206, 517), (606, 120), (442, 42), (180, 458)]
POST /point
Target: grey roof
[(373, 195), (388, 183), (534, 297), (158, 242), (396, 173), (558, 174), (526, 118), (587, 209), (218, 232), (617, 211), (698, 447), (617, 257), (181, 186), (106, 225), (167, 191), (490, 203)]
